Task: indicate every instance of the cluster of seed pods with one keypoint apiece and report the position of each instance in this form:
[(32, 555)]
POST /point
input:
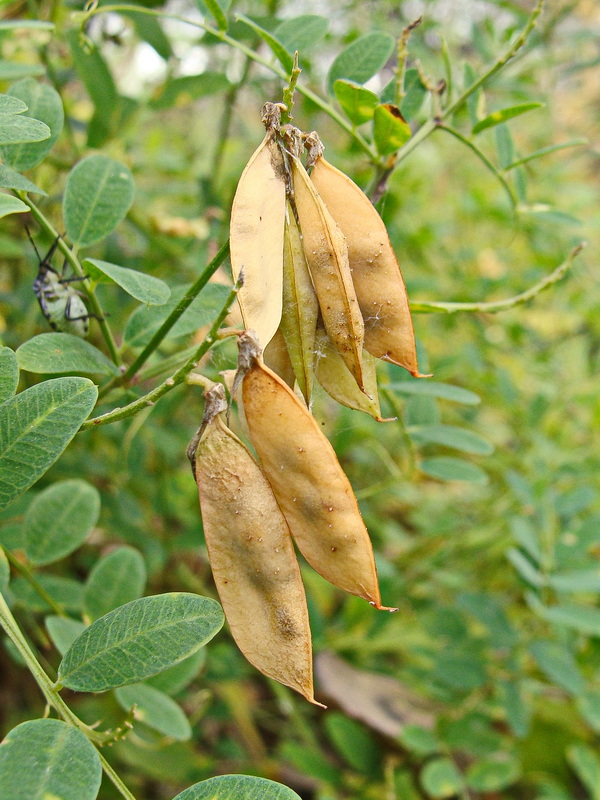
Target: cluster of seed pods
[(322, 298)]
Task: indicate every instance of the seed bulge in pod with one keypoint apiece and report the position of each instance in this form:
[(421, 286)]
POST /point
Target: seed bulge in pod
[(327, 257), (376, 275), (310, 486), (251, 554), (334, 376), (300, 307)]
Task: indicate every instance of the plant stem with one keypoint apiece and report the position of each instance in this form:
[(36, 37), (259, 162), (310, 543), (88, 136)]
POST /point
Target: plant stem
[(279, 71), (182, 306), (428, 127), (78, 270), (28, 575), (483, 158), (178, 377), (494, 306), (12, 630)]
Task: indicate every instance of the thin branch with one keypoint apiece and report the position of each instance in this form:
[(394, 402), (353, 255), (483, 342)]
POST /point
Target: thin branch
[(178, 377), (179, 309), (495, 306), (276, 70), (483, 158), (428, 127)]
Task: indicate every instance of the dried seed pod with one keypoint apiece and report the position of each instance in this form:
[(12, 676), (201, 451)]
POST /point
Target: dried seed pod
[(327, 256), (256, 235), (375, 272), (251, 553), (276, 356), (334, 376), (300, 307), (310, 486)]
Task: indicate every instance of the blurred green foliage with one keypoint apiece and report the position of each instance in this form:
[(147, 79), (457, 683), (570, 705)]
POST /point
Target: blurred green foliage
[(483, 505)]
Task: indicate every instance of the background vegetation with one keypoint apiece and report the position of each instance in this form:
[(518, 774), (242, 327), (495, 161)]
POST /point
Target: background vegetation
[(486, 683)]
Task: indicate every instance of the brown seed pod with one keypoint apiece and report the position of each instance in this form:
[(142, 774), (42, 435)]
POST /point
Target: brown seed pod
[(256, 236), (375, 272), (300, 307), (310, 486), (251, 554), (327, 257), (335, 378)]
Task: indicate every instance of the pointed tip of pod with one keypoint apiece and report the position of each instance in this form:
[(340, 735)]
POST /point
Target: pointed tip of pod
[(417, 374), (385, 419), (315, 702), (379, 607)]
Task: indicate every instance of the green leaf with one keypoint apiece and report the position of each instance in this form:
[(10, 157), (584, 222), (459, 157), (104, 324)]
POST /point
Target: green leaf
[(9, 373), (63, 631), (11, 205), (504, 146), (516, 710), (47, 759), (36, 426), (13, 71), (445, 468), (497, 117), (144, 322), (588, 705), (176, 678), (155, 709), (138, 640), (586, 765), (441, 778), (62, 352), (444, 391), (525, 568), (96, 76), (390, 129), (66, 593), (476, 100), (12, 536), (98, 194), (16, 130), (4, 571), (150, 30), (116, 579), (149, 290), (577, 580), (311, 761), (44, 103), (353, 743), (59, 520), (237, 787), (301, 33), (190, 88), (575, 501), (279, 51), (218, 10), (357, 103), (418, 740), (26, 24), (580, 618), (362, 59), (558, 665), (11, 179), (544, 151), (452, 436), (415, 93), (11, 105), (493, 775)]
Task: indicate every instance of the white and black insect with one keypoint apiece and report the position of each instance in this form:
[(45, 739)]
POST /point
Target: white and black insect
[(60, 302)]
